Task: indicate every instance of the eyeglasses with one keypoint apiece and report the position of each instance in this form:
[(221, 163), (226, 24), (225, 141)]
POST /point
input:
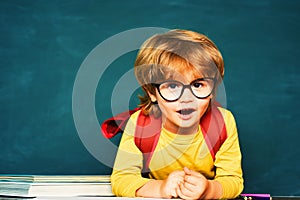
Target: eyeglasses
[(172, 90)]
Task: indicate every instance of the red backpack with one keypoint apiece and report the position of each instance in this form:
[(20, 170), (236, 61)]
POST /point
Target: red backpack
[(148, 130)]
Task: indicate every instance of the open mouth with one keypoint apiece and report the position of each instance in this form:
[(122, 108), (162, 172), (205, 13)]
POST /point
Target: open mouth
[(185, 111)]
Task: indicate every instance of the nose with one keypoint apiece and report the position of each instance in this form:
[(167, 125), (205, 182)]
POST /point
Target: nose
[(187, 95)]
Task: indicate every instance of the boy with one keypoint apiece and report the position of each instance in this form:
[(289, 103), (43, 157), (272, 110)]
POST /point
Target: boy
[(179, 72)]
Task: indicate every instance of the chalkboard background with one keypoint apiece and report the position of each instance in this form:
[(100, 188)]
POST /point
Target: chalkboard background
[(43, 44)]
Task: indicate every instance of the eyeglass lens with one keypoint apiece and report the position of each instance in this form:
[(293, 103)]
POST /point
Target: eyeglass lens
[(172, 90)]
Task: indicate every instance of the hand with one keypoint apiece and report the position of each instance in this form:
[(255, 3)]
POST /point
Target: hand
[(170, 185), (194, 185)]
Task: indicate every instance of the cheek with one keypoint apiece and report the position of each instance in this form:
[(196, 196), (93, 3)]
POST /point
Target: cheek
[(166, 107), (203, 105)]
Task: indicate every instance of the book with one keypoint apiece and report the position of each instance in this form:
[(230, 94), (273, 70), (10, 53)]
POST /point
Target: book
[(67, 186), (256, 196), (55, 178)]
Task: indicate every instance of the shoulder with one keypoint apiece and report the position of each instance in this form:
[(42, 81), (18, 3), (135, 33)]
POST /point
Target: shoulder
[(131, 123), (135, 115), (227, 114), (228, 119)]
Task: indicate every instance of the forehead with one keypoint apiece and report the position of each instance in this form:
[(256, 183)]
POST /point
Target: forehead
[(183, 71), (184, 77), (171, 66)]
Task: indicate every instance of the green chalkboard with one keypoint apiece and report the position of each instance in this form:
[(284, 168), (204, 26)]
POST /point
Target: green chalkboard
[(44, 44)]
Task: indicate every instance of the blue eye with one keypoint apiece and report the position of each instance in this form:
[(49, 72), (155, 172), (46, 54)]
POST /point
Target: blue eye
[(172, 85)]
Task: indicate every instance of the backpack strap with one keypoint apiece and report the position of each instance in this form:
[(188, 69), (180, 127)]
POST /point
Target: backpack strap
[(146, 136), (116, 124), (213, 129)]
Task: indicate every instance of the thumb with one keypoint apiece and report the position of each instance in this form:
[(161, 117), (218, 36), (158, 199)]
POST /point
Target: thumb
[(187, 171), (192, 172)]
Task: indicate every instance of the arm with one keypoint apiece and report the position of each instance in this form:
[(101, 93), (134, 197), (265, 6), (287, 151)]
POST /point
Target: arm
[(228, 161), (162, 188), (126, 176)]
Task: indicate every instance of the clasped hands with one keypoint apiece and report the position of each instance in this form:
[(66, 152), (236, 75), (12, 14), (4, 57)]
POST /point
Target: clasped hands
[(185, 184)]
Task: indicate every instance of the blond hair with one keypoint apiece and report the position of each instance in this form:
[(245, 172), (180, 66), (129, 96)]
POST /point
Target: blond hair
[(175, 51)]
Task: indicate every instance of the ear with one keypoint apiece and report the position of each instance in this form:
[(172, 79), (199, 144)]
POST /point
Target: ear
[(152, 97)]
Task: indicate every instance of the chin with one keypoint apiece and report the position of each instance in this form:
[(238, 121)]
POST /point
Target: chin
[(191, 127)]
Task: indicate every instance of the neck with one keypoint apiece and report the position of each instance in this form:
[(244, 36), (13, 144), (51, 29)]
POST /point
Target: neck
[(188, 131)]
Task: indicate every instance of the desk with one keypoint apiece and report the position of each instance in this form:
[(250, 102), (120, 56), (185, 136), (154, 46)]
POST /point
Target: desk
[(73, 198), (114, 198)]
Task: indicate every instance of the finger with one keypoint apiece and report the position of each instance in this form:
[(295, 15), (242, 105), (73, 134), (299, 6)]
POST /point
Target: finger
[(193, 180), (180, 173), (177, 174), (180, 193), (186, 191), (180, 180), (179, 177), (174, 192), (195, 184), (188, 186), (194, 173), (177, 181), (187, 171), (172, 188)]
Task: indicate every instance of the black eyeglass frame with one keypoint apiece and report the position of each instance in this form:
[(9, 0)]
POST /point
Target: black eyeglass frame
[(189, 86)]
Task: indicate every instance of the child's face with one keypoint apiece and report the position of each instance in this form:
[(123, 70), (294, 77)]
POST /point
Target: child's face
[(183, 115)]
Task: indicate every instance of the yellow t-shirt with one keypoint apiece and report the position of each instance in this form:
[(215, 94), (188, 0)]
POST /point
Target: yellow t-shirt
[(174, 152)]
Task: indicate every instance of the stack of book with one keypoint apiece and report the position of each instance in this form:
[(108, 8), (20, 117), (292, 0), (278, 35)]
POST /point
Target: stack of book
[(57, 185)]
